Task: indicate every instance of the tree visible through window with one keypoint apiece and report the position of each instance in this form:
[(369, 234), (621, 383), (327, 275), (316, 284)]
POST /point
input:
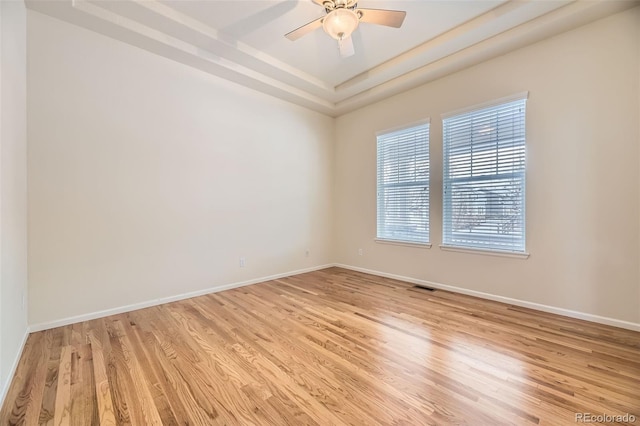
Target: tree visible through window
[(403, 185), (484, 178)]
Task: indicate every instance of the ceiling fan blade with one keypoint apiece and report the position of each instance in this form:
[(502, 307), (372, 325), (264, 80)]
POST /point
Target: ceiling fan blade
[(304, 30), (346, 47), (320, 2), (390, 18)]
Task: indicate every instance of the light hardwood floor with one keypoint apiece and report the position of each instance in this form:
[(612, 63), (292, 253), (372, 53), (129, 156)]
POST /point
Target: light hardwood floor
[(327, 347)]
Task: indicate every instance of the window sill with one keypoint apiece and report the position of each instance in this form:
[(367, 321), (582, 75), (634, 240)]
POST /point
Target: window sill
[(485, 252), (403, 243)]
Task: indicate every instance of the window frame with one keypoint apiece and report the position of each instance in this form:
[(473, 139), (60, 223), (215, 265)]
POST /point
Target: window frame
[(386, 239), (447, 214)]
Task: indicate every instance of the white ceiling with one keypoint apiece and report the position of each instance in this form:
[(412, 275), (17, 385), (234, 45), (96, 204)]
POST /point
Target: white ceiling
[(243, 40)]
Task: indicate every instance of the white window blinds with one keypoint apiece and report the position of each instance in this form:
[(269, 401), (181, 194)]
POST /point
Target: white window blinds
[(403, 185), (484, 178)]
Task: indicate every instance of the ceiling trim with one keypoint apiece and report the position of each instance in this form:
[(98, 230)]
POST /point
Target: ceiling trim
[(507, 27), (553, 23)]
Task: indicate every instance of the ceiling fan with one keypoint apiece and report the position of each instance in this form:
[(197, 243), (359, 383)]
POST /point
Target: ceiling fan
[(342, 19)]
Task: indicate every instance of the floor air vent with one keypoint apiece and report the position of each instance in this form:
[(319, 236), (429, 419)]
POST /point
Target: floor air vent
[(422, 287)]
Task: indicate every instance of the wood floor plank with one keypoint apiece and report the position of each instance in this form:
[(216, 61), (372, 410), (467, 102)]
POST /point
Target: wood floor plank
[(185, 394), (121, 382), (39, 381), (145, 403), (104, 403), (47, 408), (330, 347), (62, 412)]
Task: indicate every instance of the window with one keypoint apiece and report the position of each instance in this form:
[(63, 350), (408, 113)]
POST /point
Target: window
[(403, 185), (484, 177)]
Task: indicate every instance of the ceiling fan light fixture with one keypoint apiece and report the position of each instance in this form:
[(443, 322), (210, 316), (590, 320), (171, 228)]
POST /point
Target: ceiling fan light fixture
[(340, 23)]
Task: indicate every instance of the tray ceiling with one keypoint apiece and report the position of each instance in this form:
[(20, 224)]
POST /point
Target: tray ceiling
[(243, 40)]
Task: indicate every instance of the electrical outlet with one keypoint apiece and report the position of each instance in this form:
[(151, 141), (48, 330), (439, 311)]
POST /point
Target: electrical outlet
[(242, 262), (360, 252)]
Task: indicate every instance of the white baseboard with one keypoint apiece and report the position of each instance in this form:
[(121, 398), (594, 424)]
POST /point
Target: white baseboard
[(523, 303), (517, 302), (154, 302), (14, 367)]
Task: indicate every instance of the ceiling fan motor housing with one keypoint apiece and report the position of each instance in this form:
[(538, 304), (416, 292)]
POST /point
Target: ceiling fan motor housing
[(330, 5)]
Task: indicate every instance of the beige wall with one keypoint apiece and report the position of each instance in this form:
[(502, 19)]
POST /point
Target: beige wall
[(582, 175), (13, 186), (149, 179)]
